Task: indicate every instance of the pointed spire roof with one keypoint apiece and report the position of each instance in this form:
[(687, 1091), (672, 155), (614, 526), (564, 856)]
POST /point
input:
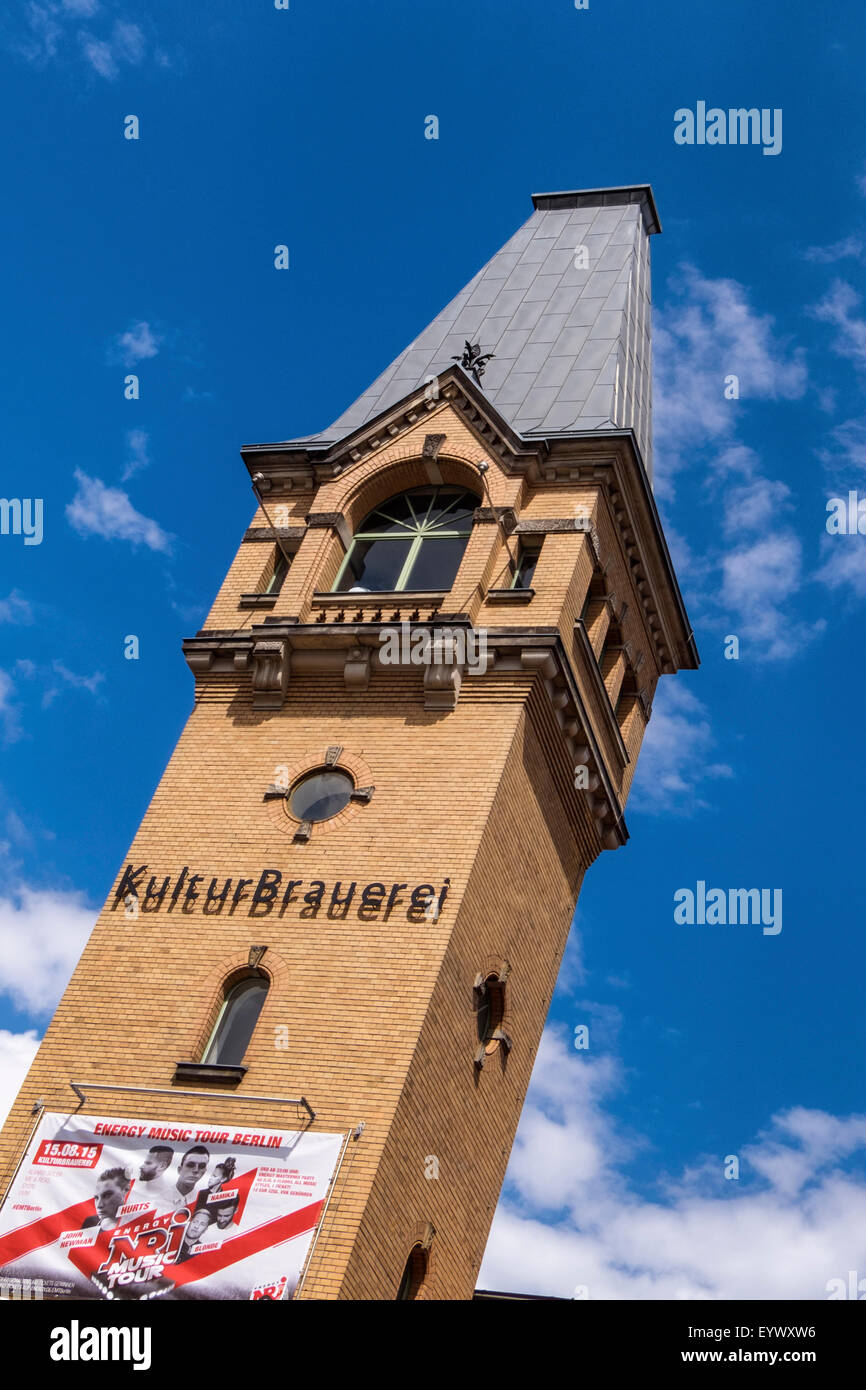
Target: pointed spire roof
[(564, 307)]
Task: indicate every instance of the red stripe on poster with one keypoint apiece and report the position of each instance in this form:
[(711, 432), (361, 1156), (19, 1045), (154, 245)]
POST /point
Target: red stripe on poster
[(44, 1231), (263, 1237)]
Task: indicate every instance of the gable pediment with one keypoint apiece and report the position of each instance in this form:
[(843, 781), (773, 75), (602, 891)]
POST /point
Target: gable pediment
[(303, 466)]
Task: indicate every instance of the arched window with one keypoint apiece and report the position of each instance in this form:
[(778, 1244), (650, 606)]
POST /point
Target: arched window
[(490, 1008), (415, 541), (413, 1274), (236, 1022)]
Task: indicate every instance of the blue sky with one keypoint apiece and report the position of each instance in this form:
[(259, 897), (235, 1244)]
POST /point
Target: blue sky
[(306, 127)]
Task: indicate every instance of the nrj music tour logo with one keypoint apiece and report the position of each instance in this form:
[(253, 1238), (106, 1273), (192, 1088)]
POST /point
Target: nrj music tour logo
[(270, 1291)]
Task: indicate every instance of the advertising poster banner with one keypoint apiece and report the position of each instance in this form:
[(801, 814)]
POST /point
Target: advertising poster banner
[(135, 1209)]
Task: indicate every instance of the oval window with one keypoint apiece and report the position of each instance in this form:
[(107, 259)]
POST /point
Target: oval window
[(321, 795)]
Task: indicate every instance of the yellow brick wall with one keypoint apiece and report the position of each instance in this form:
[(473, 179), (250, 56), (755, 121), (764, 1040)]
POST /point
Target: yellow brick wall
[(449, 1111)]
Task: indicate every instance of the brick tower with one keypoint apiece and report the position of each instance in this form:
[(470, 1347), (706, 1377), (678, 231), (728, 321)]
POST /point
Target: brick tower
[(419, 700)]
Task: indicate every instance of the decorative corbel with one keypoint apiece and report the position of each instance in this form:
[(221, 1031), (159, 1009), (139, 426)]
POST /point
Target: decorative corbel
[(199, 661), (442, 682), (538, 659), (356, 672), (271, 659)]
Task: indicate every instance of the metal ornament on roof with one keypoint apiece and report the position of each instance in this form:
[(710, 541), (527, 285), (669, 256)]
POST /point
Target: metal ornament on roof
[(473, 360)]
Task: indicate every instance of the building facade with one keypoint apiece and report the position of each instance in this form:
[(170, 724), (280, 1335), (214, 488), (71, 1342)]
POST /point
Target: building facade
[(420, 695)]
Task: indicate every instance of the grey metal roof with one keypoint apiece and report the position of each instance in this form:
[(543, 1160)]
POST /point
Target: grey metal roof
[(571, 344)]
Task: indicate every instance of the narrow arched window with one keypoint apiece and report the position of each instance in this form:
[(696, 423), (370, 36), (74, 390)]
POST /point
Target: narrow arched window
[(236, 1022), (416, 541), (413, 1274), (490, 1011)]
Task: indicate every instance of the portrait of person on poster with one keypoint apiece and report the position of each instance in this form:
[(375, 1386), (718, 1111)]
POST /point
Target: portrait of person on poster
[(222, 1215), (152, 1185), (190, 1177), (112, 1187), (196, 1229)]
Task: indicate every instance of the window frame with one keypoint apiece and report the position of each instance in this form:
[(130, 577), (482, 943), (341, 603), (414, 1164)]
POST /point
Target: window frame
[(322, 770), (414, 1274), (423, 531), (281, 567), (228, 992), (525, 551)]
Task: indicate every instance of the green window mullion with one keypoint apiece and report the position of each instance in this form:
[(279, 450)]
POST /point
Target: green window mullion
[(410, 560), (342, 570)]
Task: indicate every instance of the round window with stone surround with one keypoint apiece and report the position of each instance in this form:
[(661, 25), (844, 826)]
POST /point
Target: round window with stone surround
[(320, 795), (322, 790)]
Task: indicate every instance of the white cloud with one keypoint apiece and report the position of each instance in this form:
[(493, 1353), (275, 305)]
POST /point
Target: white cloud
[(844, 563), (838, 308), (128, 41), (713, 332), (137, 456), (17, 830), (99, 55), (29, 670), (839, 250), (17, 1051), (91, 683), (848, 448), (572, 970), (708, 333), (792, 1222), (755, 506), (137, 343), (40, 36), (42, 934), (15, 608), (125, 44), (677, 754), (758, 579), (10, 714), (100, 510), (50, 30)]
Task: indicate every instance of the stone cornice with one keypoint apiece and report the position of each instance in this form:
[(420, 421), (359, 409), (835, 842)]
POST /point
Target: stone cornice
[(617, 470), (274, 653)]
